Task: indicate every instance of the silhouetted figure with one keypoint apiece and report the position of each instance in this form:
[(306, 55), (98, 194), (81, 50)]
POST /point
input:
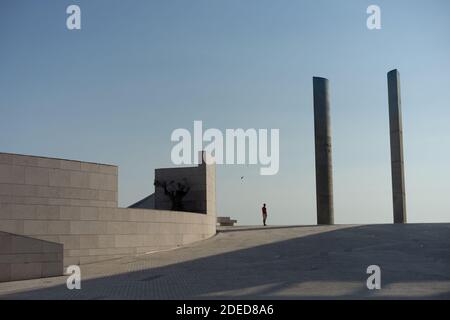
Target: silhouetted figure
[(264, 214), (175, 195)]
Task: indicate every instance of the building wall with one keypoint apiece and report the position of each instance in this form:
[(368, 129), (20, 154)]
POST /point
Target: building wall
[(93, 234), (27, 258), (201, 180), (74, 203), (47, 181)]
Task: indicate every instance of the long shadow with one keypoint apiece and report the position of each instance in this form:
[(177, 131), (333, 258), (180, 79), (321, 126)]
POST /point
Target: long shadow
[(414, 261), (255, 228)]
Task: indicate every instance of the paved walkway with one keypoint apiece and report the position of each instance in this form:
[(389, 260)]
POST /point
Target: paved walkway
[(270, 263)]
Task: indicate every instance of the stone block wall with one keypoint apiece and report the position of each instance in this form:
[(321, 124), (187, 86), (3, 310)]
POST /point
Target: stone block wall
[(29, 180), (91, 234), (202, 182), (27, 258), (74, 204)]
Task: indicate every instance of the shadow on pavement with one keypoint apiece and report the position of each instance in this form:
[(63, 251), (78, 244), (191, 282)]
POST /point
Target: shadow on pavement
[(414, 261)]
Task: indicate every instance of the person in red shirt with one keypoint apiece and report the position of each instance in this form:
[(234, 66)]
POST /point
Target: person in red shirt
[(264, 214)]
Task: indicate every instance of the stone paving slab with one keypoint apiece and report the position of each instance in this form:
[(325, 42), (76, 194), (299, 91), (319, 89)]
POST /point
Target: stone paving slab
[(310, 262)]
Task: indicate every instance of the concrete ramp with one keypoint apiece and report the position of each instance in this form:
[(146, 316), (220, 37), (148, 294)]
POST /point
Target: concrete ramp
[(279, 262)]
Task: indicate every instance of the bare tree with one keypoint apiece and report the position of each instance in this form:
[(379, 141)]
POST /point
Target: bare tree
[(176, 191)]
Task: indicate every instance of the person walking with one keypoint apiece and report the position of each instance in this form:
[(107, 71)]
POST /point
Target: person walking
[(264, 214)]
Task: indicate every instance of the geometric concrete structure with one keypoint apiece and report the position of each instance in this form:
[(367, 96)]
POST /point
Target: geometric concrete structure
[(74, 204), (27, 258), (201, 180), (322, 137), (226, 221), (396, 141)]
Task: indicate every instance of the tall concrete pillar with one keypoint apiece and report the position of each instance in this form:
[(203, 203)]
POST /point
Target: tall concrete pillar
[(396, 136), (322, 135)]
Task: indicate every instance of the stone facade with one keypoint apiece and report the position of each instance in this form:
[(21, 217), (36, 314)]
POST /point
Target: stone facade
[(74, 203), (201, 180), (27, 258), (29, 180)]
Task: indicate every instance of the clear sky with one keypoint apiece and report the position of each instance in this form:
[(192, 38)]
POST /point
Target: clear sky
[(114, 91)]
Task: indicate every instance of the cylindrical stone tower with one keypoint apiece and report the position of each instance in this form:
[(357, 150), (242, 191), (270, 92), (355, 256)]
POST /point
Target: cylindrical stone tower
[(322, 135)]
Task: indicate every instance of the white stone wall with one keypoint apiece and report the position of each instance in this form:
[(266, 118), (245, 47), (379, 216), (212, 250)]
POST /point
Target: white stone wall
[(75, 204), (93, 234), (47, 181)]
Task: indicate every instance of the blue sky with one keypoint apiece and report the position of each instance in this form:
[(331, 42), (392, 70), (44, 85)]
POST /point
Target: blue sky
[(114, 91)]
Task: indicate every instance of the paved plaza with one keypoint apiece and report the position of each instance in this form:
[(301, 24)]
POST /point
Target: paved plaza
[(304, 262)]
